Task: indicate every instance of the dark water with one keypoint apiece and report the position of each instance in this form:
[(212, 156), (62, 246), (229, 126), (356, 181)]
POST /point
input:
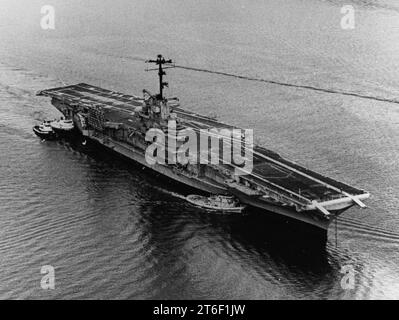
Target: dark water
[(114, 231)]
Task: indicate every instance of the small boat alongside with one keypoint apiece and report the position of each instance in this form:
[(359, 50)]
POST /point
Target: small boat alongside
[(63, 128), (54, 129), (45, 131), (216, 203)]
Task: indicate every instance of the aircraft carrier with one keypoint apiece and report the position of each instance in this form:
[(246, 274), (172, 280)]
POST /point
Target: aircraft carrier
[(276, 185)]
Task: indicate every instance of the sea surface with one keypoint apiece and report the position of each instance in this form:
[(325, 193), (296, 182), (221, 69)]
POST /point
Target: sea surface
[(113, 231)]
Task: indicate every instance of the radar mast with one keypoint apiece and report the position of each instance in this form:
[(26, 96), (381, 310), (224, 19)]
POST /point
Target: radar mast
[(160, 61)]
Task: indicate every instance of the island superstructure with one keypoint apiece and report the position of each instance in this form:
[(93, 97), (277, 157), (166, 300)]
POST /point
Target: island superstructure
[(120, 122)]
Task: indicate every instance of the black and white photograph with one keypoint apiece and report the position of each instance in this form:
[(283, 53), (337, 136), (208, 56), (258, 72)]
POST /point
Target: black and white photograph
[(199, 150)]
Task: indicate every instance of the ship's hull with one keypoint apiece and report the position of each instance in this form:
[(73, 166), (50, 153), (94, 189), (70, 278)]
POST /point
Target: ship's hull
[(129, 152), (311, 217), (67, 134), (311, 221)]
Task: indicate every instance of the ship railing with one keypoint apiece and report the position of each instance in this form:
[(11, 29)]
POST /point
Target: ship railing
[(354, 199), (281, 193), (299, 172)]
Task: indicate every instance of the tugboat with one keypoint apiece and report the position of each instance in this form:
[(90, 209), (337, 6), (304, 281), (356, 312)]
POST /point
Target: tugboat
[(45, 131), (216, 203), (63, 128)]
